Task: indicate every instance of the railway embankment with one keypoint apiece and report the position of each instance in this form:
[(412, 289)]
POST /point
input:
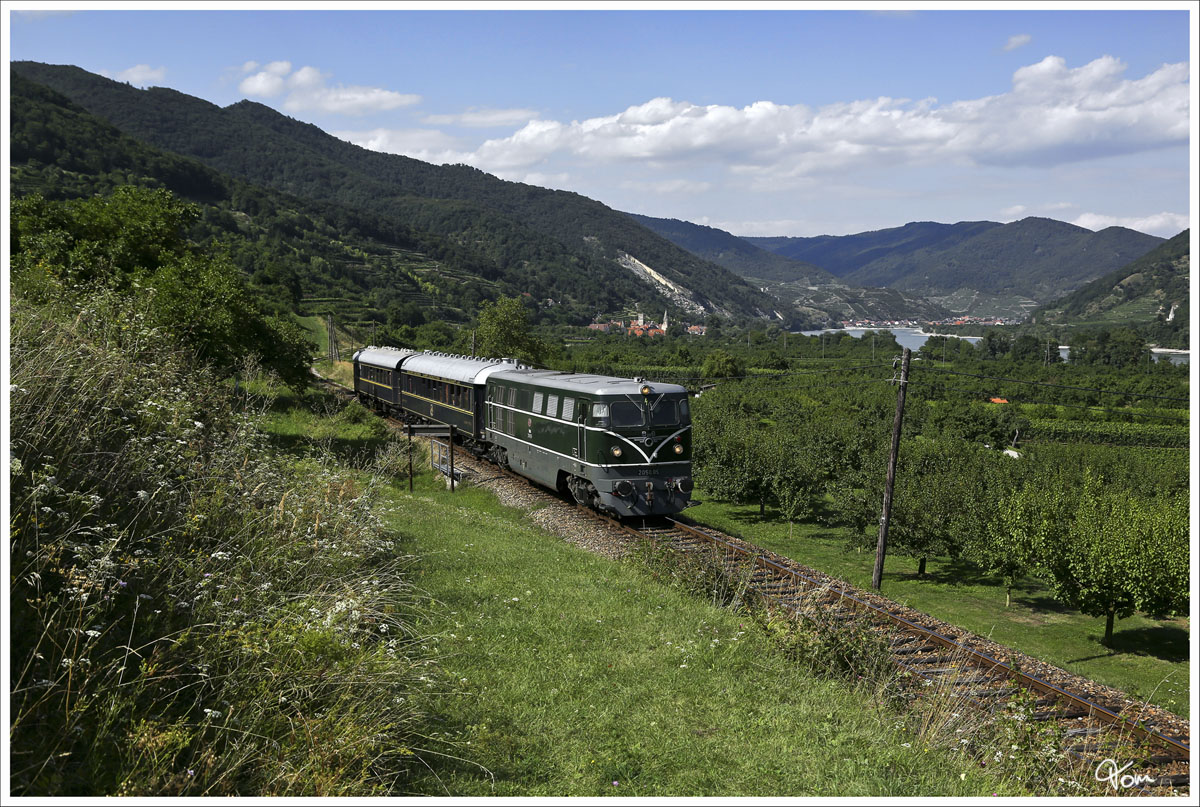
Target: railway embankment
[(583, 674)]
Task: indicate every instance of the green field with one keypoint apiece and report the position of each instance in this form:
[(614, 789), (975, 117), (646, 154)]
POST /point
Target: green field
[(1150, 658), (314, 329), (581, 676)]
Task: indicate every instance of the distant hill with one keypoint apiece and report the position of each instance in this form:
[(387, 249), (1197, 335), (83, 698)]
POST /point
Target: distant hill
[(1151, 294), (738, 255), (358, 266), (1036, 257), (817, 295), (555, 243)]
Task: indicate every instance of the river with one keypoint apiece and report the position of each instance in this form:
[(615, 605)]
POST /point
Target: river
[(913, 338)]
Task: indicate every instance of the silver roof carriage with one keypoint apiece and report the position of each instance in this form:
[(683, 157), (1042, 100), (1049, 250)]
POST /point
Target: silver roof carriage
[(464, 369), (387, 357)]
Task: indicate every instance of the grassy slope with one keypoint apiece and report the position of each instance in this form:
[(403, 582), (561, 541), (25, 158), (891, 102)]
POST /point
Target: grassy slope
[(1151, 659), (588, 678), (564, 672)]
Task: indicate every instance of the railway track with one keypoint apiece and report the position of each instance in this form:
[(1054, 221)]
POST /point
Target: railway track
[(1095, 728), (1097, 723)]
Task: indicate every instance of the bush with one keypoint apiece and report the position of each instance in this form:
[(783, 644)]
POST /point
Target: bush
[(190, 615)]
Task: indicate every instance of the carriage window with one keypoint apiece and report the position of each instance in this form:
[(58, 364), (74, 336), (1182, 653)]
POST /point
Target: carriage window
[(568, 409), (552, 406), (684, 412), (537, 402), (664, 414), (626, 414), (512, 396)]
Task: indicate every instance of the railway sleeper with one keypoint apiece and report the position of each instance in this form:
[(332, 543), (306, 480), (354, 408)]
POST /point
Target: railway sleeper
[(993, 693), (905, 651), (1069, 715), (1153, 759), (923, 661), (1083, 731), (979, 679)]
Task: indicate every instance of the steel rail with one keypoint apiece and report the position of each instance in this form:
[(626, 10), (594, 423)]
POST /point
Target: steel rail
[(977, 656)]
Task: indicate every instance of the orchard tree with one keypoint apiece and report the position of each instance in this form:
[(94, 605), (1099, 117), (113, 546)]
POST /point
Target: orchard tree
[(1018, 531), (1123, 554), (720, 364)]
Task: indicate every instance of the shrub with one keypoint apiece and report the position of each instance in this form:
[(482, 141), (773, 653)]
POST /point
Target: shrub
[(191, 614)]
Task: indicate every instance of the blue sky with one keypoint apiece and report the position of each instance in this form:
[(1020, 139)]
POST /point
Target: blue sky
[(782, 121)]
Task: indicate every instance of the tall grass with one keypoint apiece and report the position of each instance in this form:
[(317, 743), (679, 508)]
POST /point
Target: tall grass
[(191, 614), (1017, 752)]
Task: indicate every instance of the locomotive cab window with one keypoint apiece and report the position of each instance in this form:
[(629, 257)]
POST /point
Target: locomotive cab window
[(626, 414), (664, 413)]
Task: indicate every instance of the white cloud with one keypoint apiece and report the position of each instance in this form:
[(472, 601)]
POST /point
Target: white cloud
[(559, 181), (262, 85), (1052, 115), (142, 74), (307, 90), (422, 144), (482, 118), (1013, 212), (1161, 224), (1017, 41)]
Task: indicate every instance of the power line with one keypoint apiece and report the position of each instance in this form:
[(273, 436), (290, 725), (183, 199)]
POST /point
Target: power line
[(1057, 386)]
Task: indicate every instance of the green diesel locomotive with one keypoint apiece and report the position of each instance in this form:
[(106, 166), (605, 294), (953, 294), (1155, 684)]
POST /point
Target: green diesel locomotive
[(619, 445)]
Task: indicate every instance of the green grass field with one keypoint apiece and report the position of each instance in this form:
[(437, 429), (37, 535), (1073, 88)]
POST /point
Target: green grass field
[(314, 329), (1149, 660), (561, 673), (582, 676)]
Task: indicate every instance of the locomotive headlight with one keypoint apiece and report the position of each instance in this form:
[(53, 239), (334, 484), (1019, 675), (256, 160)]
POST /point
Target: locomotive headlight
[(616, 451), (679, 448), (645, 389)]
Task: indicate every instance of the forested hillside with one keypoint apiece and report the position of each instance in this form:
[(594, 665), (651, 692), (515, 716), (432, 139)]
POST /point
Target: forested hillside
[(1035, 257), (817, 296), (545, 242), (301, 255), (1150, 294), (734, 253)]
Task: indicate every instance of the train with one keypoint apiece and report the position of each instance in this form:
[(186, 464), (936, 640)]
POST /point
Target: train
[(622, 446)]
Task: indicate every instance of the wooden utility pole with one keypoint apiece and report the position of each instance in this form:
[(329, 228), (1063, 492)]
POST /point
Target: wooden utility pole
[(410, 472), (451, 442), (881, 547)]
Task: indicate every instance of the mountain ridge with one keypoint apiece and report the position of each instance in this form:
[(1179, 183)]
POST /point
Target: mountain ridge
[(1035, 257), (510, 222)]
